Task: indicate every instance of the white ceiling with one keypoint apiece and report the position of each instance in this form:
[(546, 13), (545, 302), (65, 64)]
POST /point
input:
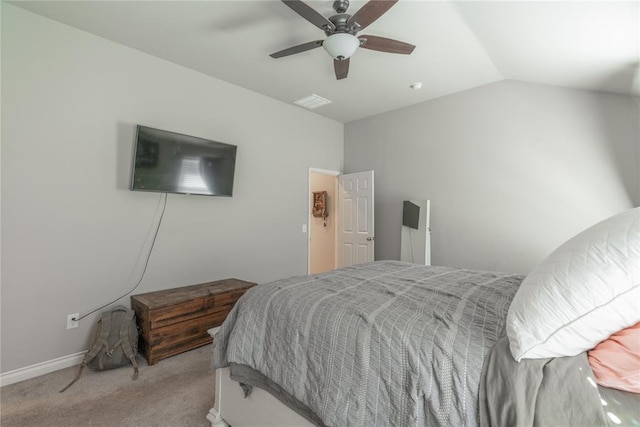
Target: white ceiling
[(591, 45)]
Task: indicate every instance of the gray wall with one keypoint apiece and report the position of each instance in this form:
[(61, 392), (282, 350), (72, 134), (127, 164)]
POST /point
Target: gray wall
[(512, 170), (73, 235)]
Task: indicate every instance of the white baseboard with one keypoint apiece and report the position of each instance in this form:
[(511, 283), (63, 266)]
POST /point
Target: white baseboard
[(28, 372), (22, 374)]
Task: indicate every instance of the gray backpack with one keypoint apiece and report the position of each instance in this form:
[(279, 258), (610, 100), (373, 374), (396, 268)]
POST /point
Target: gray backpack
[(115, 343)]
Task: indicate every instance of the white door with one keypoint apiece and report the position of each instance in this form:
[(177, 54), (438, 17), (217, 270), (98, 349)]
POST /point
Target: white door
[(355, 238)]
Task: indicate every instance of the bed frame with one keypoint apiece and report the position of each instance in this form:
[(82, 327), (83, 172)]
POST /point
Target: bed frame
[(259, 409), (262, 409)]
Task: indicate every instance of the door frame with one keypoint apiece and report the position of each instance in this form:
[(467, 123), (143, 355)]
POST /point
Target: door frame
[(308, 223)]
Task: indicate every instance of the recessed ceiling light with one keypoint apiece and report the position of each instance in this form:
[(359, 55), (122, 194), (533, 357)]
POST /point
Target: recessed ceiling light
[(416, 86), (312, 101)]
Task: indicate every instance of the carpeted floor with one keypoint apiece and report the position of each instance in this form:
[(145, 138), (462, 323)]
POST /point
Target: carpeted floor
[(178, 391)]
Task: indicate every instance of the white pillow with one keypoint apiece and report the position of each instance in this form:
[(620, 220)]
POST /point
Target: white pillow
[(586, 290)]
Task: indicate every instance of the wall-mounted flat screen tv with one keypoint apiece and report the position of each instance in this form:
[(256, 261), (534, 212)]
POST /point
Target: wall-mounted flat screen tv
[(410, 214), (170, 162)]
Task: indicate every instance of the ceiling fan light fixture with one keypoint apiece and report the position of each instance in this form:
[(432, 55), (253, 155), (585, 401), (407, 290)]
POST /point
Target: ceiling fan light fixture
[(341, 45)]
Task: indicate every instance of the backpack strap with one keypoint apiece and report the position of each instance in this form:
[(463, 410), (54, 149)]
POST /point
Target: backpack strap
[(75, 379), (101, 338), (102, 341), (125, 340)]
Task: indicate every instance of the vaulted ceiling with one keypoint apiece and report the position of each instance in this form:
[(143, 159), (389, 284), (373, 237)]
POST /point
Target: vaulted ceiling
[(593, 45)]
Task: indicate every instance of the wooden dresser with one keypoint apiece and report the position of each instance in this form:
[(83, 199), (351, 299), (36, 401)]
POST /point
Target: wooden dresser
[(176, 320)]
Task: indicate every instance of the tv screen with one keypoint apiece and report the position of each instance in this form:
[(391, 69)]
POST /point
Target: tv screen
[(410, 214), (170, 162)]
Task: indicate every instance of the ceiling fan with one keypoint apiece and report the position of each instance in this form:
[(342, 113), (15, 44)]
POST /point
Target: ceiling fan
[(341, 30)]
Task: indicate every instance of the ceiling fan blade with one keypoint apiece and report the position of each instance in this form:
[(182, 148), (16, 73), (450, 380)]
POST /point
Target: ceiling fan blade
[(384, 44), (341, 68), (297, 49), (310, 14), (371, 11)]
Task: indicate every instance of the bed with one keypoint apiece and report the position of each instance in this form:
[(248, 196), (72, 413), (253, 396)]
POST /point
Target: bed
[(395, 344)]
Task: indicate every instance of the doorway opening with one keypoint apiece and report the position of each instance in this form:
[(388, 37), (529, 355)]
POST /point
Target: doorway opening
[(340, 230), (322, 233)]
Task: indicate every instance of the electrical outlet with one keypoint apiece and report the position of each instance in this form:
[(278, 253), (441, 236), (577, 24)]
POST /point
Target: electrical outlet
[(71, 323)]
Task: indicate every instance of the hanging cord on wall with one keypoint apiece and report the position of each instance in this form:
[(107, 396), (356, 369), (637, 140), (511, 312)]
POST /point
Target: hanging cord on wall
[(146, 263)]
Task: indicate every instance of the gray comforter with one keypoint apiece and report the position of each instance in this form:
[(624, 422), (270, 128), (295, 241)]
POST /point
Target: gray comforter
[(378, 344)]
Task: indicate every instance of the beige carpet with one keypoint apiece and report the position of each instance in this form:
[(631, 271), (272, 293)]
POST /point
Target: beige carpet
[(178, 391)]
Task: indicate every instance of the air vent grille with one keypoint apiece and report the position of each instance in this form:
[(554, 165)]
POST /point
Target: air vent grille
[(312, 101)]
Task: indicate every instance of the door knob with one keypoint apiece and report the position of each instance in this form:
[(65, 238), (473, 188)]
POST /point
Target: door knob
[(370, 239)]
